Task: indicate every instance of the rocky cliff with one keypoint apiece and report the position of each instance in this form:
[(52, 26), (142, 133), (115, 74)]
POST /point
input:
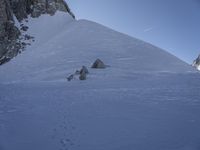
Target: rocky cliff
[(196, 63), (18, 10)]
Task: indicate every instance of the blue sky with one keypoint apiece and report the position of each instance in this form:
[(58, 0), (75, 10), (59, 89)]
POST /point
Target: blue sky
[(173, 25)]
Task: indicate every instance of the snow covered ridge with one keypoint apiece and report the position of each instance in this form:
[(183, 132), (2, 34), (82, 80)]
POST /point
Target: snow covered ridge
[(13, 12), (196, 63)]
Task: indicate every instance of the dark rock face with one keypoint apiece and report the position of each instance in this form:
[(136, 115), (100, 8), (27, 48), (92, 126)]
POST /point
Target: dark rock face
[(10, 44), (5, 11), (82, 75), (196, 63), (49, 6), (22, 8), (84, 69), (8, 32), (70, 77), (98, 64)]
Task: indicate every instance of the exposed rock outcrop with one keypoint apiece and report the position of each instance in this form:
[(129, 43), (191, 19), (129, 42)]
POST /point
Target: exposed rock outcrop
[(82, 74), (196, 63), (10, 44), (98, 64), (84, 69), (8, 32)]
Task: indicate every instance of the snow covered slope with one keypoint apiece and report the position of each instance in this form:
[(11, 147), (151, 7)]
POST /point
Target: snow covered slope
[(63, 45), (146, 100)]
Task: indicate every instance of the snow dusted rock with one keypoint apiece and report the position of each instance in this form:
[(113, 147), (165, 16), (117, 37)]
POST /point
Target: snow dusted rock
[(49, 7), (70, 77), (22, 8), (84, 69), (8, 31), (10, 44), (98, 64), (196, 63), (24, 28), (83, 75), (77, 72)]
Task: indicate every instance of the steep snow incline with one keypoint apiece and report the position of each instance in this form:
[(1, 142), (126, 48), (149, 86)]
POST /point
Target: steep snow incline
[(63, 45), (146, 100)]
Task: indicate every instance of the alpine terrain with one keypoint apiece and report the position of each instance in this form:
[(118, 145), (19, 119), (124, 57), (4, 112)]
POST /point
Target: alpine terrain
[(136, 96)]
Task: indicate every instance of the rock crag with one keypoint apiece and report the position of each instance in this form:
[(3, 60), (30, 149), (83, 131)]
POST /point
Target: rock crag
[(18, 10), (196, 63)]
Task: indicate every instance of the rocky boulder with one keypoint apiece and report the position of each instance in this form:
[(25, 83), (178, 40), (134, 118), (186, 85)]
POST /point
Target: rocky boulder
[(84, 69), (98, 64), (83, 75)]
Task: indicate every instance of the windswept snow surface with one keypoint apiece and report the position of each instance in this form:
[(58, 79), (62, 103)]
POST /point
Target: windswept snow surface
[(146, 100)]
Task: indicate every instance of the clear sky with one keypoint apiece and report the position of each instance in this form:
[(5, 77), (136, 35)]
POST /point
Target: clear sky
[(173, 25)]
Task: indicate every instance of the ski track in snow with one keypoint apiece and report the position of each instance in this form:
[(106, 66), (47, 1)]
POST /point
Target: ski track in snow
[(146, 99)]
